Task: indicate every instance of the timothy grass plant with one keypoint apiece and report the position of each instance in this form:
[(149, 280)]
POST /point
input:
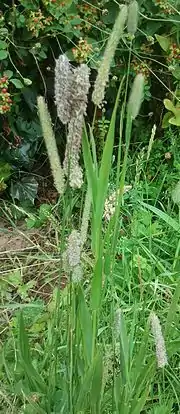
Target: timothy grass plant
[(110, 343)]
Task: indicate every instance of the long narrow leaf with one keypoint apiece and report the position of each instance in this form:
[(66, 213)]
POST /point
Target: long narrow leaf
[(86, 326), (104, 172), (97, 383), (89, 165), (164, 216)]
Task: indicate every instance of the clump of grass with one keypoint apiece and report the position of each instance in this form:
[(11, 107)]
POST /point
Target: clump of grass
[(93, 354)]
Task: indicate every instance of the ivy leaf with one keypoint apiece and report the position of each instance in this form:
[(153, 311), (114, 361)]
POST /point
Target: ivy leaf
[(163, 41), (25, 189), (3, 54), (17, 83)]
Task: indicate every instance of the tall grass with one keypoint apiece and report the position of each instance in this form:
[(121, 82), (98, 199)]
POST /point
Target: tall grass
[(97, 354)]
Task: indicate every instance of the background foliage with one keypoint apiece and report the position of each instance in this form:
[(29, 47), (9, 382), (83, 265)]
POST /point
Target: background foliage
[(34, 33)]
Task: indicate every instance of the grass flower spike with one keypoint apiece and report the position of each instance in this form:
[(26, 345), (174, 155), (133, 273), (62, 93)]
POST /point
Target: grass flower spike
[(136, 96), (74, 249), (71, 95), (104, 69), (51, 146), (132, 21), (159, 341), (63, 88)]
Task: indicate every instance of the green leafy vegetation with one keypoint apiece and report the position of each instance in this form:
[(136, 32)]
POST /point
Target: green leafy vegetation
[(90, 207)]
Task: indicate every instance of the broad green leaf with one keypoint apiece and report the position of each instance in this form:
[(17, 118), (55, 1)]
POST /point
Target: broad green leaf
[(176, 72), (163, 216), (175, 121), (8, 73), (163, 41), (169, 105), (25, 189), (17, 83), (3, 54)]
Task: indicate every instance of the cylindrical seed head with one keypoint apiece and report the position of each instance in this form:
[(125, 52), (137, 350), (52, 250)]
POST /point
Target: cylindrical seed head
[(136, 96), (132, 22)]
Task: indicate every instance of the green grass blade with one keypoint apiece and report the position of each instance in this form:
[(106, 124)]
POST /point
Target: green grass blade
[(104, 172), (144, 376), (140, 402), (86, 326), (124, 351), (84, 391), (89, 165), (96, 289), (93, 147), (97, 383), (164, 216)]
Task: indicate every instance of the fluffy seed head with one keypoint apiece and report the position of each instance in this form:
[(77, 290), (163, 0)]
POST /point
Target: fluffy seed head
[(63, 88), (51, 146), (76, 176), (132, 21), (79, 95), (85, 217), (80, 89), (136, 96), (74, 248), (77, 274), (104, 69), (111, 203), (161, 354)]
